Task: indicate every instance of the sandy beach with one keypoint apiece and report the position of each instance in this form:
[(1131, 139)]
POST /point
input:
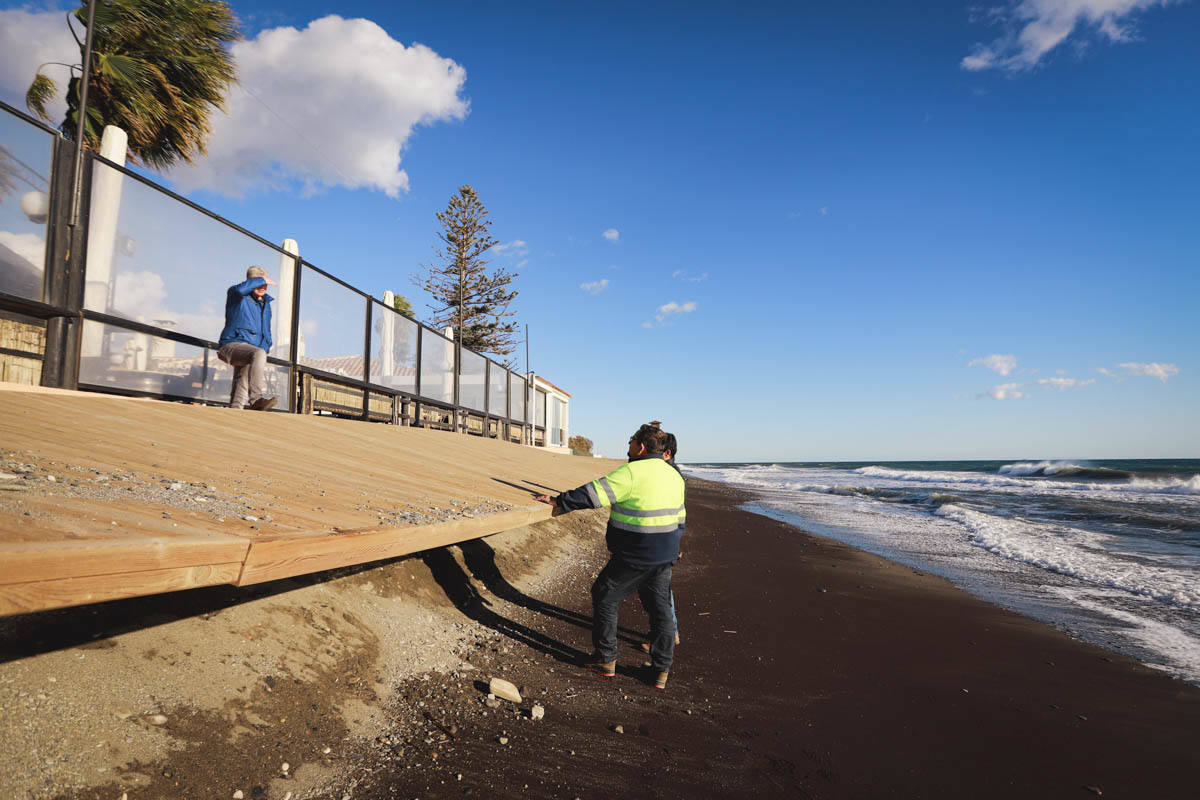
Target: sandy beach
[(807, 669)]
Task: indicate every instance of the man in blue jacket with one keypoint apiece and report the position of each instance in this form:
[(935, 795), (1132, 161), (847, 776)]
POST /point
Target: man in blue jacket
[(646, 518), (246, 339)]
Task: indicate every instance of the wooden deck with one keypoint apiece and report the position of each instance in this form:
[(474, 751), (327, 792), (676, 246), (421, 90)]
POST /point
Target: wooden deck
[(152, 497)]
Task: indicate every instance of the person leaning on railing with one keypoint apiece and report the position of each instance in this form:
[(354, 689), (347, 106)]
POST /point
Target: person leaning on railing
[(246, 339)]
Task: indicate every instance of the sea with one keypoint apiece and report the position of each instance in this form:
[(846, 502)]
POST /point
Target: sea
[(1108, 551)]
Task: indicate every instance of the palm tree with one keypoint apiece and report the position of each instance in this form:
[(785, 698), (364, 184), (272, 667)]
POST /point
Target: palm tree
[(159, 67)]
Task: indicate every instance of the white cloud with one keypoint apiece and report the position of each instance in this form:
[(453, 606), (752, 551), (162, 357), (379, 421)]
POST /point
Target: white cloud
[(28, 246), (1062, 384), (351, 97), (1108, 372), (647, 325), (1006, 391), (1000, 364), (668, 309), (682, 274), (612, 234), (331, 105), (1032, 28), (516, 246), (1151, 370), (29, 39), (595, 287)]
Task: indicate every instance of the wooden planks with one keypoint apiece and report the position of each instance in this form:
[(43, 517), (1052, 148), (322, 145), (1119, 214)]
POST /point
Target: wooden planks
[(268, 561), (21, 598), (280, 493), (28, 562)]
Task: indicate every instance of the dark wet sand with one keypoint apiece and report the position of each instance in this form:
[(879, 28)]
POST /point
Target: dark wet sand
[(810, 669)]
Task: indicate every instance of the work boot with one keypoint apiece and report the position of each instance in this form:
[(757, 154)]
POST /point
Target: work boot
[(263, 404), (596, 663)]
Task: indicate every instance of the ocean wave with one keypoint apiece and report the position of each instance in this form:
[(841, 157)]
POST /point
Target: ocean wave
[(1169, 485), (1062, 469), (1076, 553), (1131, 489)]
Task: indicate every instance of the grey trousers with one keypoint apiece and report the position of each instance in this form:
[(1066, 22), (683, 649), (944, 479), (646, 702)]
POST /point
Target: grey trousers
[(249, 372)]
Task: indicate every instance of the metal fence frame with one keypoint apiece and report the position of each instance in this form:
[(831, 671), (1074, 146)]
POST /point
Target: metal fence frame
[(62, 307)]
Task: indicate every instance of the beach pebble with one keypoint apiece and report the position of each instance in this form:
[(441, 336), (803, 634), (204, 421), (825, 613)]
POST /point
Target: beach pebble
[(156, 719), (52, 479), (176, 486), (537, 712), (249, 518), (238, 795), (503, 740), (504, 689), (326, 751), (618, 728), (492, 702), (284, 767)]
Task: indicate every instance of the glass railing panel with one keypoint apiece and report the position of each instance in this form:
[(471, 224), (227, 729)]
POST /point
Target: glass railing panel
[(393, 349), (156, 365), (154, 259), (471, 381), (332, 326), (437, 367), (25, 157), (498, 391), (540, 418), (516, 390)]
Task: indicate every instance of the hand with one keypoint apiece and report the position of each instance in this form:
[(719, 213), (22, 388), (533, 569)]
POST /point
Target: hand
[(269, 281), (545, 498)]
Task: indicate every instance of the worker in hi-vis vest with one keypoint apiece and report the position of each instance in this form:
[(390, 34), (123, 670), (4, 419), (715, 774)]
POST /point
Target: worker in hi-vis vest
[(646, 521)]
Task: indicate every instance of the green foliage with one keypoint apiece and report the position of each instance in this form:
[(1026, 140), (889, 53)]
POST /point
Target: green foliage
[(159, 68), (40, 92), (401, 304), (465, 238), (580, 445)]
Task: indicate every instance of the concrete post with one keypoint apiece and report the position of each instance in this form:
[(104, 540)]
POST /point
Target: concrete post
[(102, 233)]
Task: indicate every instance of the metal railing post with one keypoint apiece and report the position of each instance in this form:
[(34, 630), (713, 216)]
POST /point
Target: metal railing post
[(367, 363), (294, 355), (63, 282), (417, 401)]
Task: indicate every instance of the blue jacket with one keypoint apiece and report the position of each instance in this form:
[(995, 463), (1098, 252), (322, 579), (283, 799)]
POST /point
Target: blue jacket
[(246, 319)]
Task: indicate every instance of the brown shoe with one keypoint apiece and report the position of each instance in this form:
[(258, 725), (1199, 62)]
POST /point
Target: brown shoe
[(606, 669), (263, 404), (661, 681)]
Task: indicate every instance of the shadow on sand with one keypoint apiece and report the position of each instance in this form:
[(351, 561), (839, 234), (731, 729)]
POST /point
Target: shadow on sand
[(480, 560)]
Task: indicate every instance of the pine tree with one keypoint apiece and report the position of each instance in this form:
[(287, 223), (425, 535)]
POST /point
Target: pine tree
[(461, 262)]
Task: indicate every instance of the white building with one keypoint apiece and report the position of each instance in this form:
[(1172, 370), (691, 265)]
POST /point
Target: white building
[(552, 411)]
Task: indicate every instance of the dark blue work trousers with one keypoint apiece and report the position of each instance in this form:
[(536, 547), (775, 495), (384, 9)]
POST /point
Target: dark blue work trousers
[(617, 581)]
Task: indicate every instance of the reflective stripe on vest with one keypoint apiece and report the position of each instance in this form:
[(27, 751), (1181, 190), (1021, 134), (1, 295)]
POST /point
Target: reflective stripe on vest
[(646, 496)]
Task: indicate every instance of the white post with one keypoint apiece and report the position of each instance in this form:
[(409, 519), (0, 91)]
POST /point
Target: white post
[(283, 304), (102, 233), (387, 340)]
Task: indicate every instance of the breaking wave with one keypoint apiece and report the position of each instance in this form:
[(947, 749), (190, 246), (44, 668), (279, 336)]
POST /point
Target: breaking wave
[(1062, 469)]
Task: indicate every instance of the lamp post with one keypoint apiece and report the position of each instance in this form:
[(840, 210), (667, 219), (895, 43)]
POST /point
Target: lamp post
[(81, 117)]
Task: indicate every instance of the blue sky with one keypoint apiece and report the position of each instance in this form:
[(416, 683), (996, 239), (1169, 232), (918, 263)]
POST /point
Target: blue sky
[(819, 217)]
